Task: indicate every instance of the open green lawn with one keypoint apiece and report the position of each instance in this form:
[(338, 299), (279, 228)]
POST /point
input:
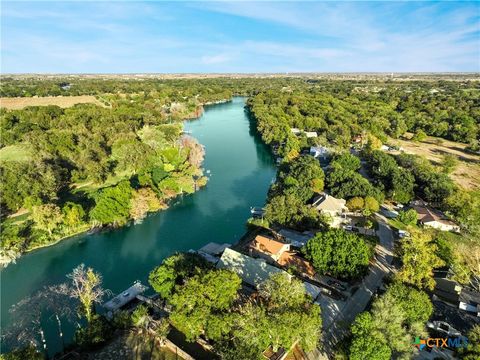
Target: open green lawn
[(20, 152)]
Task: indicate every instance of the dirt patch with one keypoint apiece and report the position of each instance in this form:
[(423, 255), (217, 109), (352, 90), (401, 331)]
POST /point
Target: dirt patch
[(15, 103), (467, 172)]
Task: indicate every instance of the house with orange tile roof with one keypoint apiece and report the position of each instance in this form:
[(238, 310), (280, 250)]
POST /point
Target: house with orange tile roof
[(268, 248)]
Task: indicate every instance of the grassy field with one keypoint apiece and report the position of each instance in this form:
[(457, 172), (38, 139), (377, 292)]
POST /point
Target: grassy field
[(15, 103), (467, 172), (20, 152)]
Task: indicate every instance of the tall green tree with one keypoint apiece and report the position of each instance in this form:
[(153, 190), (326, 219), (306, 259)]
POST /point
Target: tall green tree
[(419, 258), (112, 205), (338, 253), (174, 270)]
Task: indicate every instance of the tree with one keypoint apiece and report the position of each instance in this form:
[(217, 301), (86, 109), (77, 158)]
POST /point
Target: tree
[(289, 210), (402, 185), (274, 321), (373, 143), (415, 304), (282, 291), (368, 342), (86, 286), (389, 318), (472, 352), (339, 253), (371, 206), (112, 205), (47, 217), (449, 163), (419, 258), (200, 297), (302, 177), (408, 217), (175, 270), (144, 200), (355, 204), (73, 214), (419, 135), (28, 352), (148, 329), (95, 333)]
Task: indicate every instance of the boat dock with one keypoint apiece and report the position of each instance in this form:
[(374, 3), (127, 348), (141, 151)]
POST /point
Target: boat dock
[(125, 297)]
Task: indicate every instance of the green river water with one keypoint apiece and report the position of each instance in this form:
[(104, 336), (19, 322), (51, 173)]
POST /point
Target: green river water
[(241, 169)]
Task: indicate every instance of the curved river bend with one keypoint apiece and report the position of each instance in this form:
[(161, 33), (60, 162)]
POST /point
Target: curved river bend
[(241, 170)]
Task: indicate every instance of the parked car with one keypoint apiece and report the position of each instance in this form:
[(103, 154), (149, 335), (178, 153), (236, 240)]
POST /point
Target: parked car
[(336, 284), (443, 327), (348, 227)]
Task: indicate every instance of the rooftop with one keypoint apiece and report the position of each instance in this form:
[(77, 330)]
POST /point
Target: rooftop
[(268, 245), (328, 203), (252, 271), (427, 214), (291, 259), (294, 237)]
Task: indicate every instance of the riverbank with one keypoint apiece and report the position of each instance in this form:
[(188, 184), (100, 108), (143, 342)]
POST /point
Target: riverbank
[(12, 254), (240, 169)]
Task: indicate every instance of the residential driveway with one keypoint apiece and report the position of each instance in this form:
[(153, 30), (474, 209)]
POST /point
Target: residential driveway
[(337, 320)]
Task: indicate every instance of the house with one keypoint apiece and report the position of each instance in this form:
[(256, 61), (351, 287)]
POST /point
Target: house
[(435, 219), (319, 152), (290, 259), (268, 248), (252, 271), (295, 238), (330, 205), (310, 134)]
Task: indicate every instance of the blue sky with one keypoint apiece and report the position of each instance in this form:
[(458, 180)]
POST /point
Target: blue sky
[(176, 37)]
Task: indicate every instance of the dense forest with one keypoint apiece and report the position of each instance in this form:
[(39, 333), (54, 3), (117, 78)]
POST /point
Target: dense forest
[(353, 121), (64, 171)]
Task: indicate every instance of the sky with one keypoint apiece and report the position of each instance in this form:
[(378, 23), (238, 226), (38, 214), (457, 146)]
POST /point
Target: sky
[(239, 37)]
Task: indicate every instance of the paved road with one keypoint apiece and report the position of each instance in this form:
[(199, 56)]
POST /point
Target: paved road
[(336, 329)]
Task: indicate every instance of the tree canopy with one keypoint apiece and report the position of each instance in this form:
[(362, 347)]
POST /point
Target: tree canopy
[(338, 253)]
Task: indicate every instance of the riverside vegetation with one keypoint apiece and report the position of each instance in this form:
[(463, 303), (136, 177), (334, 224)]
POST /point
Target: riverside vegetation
[(208, 303)]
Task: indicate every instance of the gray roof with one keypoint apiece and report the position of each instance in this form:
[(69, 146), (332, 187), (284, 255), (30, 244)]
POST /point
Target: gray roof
[(252, 271), (294, 237), (312, 290)]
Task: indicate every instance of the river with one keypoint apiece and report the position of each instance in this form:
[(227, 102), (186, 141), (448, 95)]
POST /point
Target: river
[(241, 169)]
